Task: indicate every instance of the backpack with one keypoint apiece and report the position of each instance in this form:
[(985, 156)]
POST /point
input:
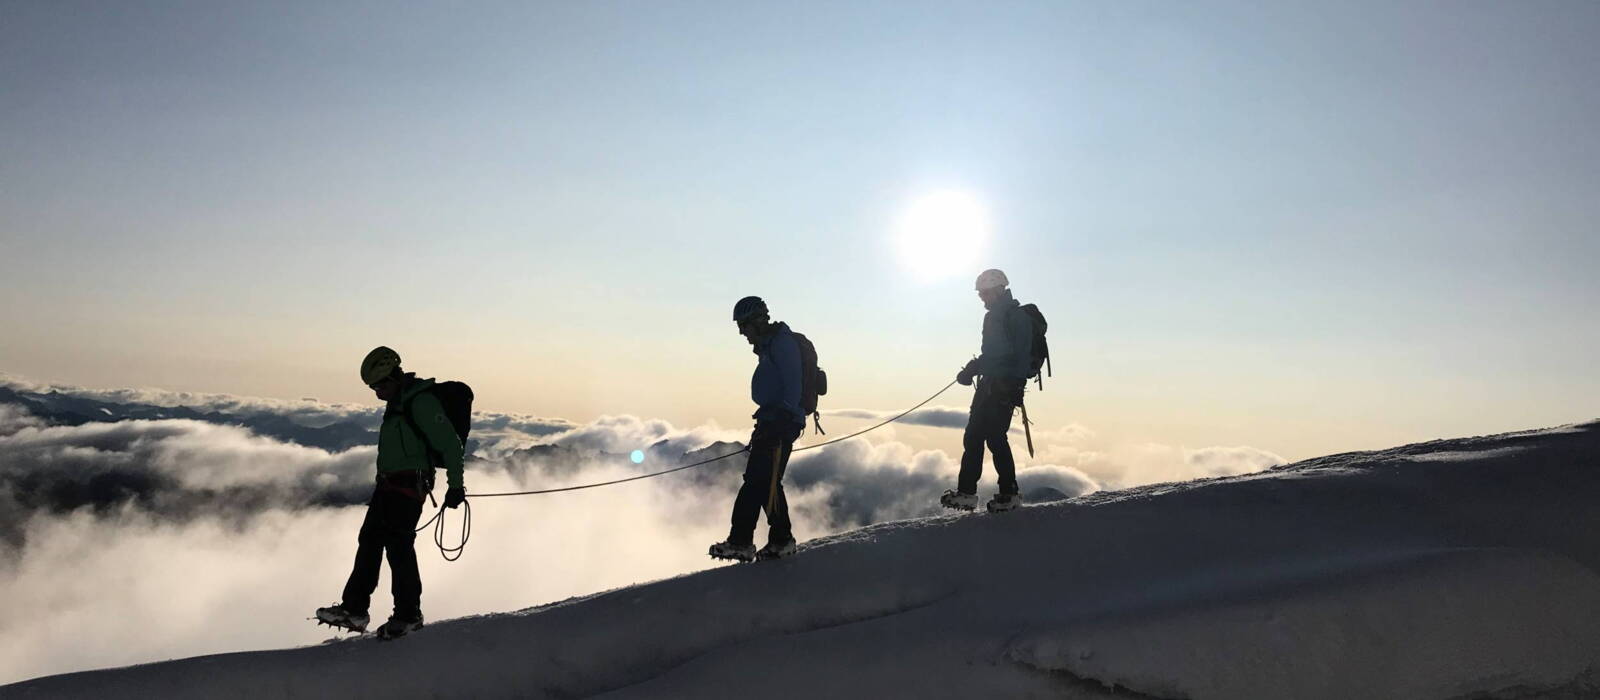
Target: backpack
[(1041, 349), (456, 398), (813, 381)]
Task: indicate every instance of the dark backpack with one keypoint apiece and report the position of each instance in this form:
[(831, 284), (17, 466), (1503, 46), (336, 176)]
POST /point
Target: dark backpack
[(813, 381), (1041, 348), (456, 398)]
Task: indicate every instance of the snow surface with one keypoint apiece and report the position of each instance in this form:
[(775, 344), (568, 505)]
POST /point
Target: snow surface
[(1451, 569)]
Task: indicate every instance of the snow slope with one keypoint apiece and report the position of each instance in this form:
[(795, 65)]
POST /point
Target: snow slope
[(1449, 569)]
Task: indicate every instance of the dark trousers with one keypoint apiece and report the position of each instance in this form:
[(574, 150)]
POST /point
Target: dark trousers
[(987, 423), (770, 447), (389, 528)]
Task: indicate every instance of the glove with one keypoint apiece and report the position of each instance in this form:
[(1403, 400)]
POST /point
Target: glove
[(964, 377), (455, 497)]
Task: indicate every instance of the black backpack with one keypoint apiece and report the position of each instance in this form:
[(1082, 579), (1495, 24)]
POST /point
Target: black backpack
[(456, 398), (1041, 349), (813, 381)]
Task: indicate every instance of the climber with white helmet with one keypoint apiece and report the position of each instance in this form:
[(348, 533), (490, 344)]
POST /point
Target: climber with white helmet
[(1001, 372)]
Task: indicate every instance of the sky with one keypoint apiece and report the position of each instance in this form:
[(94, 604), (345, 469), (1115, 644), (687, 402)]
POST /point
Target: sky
[(1305, 228)]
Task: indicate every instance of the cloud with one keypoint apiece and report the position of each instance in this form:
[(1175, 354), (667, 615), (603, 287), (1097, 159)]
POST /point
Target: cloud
[(1068, 482), (14, 417), (1230, 461), (172, 470), (624, 434), (308, 422), (179, 537), (955, 417), (66, 397), (125, 587), (171, 535), (856, 482), (1070, 434), (932, 416), (1122, 466)]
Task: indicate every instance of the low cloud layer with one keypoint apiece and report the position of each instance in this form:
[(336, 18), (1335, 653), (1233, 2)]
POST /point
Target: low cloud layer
[(932, 416), (174, 470), (1121, 466), (856, 483), (174, 528), (306, 422)]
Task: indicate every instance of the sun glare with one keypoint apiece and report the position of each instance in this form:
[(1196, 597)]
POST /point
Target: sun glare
[(940, 233)]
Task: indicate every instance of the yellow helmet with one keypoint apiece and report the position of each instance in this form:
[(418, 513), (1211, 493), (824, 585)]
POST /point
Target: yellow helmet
[(379, 363)]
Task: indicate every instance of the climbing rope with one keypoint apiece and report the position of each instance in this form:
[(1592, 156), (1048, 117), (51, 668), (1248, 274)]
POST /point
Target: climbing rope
[(437, 521), (902, 414)]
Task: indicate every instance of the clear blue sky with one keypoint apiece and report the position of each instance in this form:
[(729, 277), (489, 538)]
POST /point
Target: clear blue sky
[(1304, 227)]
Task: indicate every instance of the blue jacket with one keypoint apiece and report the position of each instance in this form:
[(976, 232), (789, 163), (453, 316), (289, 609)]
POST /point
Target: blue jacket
[(775, 386), (1007, 341)]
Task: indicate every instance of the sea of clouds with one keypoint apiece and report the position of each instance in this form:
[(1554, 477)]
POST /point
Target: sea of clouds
[(138, 525)]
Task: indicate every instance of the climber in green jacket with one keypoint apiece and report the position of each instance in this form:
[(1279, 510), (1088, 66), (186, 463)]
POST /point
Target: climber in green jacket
[(416, 436)]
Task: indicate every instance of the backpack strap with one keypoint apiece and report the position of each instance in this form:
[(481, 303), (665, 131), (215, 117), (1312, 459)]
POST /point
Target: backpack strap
[(405, 412), (434, 456)]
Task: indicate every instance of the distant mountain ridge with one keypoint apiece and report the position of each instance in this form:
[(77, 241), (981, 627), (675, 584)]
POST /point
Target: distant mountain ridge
[(58, 408)]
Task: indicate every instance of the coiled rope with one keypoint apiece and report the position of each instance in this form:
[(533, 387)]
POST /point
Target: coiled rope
[(437, 521)]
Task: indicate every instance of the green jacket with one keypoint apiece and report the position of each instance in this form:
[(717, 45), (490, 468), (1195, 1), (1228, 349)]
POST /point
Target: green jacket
[(401, 449)]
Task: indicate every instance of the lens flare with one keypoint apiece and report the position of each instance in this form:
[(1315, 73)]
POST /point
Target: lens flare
[(637, 456)]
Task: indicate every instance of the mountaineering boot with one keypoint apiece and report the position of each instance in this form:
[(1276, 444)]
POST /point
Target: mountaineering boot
[(776, 550), (730, 550), (1003, 502), (958, 500), (399, 626), (342, 617)]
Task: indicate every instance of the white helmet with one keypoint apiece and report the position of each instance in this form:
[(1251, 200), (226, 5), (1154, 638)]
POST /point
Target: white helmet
[(989, 279)]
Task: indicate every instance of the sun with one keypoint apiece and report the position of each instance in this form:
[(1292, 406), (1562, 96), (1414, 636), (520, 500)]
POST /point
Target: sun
[(940, 233)]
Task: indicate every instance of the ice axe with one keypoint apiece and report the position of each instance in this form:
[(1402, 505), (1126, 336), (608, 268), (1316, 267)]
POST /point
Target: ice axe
[(1026, 431), (772, 494)]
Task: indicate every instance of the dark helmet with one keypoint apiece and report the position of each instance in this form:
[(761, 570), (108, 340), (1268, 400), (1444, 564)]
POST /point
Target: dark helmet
[(379, 363), (747, 307)]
